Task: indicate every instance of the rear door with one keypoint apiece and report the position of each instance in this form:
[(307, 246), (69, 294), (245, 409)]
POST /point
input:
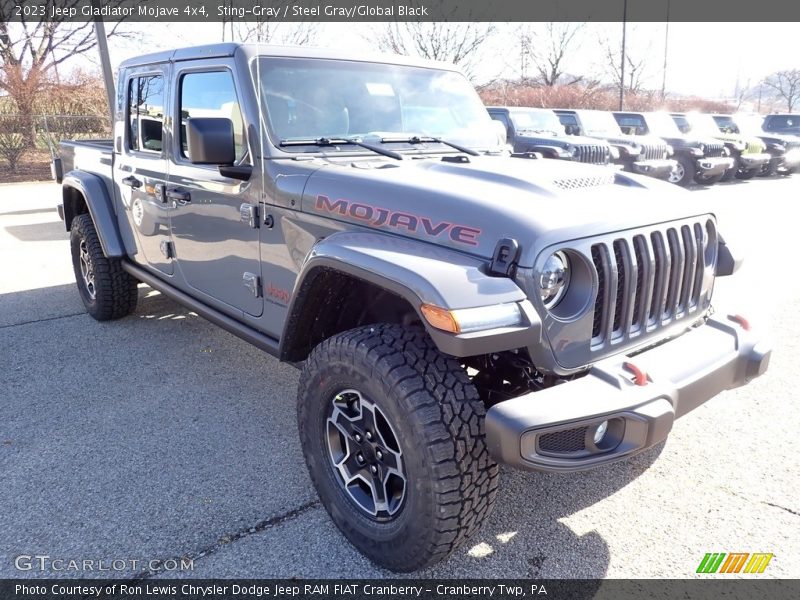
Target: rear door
[(140, 168), (216, 247)]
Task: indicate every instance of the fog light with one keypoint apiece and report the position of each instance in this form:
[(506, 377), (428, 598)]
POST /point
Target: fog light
[(600, 432)]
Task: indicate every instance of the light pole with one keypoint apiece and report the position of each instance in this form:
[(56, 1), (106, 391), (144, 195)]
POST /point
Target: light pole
[(622, 62), (666, 52)]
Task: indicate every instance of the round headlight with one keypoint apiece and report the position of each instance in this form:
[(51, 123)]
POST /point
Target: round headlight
[(554, 279)]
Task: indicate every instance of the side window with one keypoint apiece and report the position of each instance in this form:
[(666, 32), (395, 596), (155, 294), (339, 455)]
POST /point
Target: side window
[(631, 124), (211, 94), (146, 114), (568, 120)]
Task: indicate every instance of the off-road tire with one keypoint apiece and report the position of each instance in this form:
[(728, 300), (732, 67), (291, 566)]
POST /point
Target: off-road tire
[(115, 293), (787, 172), (439, 419)]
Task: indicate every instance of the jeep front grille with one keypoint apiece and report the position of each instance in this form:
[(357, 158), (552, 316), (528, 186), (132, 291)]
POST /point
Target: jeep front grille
[(653, 151), (714, 150), (593, 154), (650, 279)]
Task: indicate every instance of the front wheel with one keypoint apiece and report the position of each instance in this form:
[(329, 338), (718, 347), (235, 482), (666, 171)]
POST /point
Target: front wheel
[(393, 436), (683, 173)]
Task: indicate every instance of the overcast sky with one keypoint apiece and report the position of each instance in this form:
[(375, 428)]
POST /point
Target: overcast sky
[(703, 58)]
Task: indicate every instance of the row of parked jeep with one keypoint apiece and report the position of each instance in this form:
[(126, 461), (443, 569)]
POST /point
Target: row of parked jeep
[(682, 148)]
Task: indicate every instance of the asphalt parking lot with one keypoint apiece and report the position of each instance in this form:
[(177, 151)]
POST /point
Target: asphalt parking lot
[(161, 436)]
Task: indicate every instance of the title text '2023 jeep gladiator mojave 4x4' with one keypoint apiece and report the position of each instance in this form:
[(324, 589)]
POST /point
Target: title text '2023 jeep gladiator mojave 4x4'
[(452, 307)]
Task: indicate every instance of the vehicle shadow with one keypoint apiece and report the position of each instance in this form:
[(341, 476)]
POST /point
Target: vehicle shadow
[(525, 537), (39, 232)]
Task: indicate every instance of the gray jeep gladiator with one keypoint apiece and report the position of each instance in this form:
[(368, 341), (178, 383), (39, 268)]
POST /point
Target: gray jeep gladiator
[(451, 306)]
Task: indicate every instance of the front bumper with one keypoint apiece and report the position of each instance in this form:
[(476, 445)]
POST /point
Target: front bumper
[(790, 160), (748, 162), (714, 166), (654, 168), (552, 429)]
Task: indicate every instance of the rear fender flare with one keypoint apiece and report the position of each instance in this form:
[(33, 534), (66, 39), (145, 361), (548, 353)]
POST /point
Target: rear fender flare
[(99, 205)]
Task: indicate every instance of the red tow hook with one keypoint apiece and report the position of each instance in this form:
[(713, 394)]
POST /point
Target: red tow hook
[(639, 376), (745, 324)]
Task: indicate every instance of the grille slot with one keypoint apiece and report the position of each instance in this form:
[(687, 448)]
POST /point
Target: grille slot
[(648, 280), (565, 441), (589, 153)]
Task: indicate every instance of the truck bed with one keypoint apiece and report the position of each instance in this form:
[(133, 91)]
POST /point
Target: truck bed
[(94, 156)]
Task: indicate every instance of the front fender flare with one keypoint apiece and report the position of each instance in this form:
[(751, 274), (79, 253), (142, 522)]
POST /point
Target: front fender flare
[(100, 206), (420, 273)]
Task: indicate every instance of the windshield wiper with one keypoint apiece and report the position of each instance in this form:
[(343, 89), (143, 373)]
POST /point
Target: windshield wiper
[(423, 139), (323, 141)]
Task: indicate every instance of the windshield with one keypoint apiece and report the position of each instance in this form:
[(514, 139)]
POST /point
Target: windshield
[(598, 122), (702, 124), (662, 124), (538, 121), (312, 99)]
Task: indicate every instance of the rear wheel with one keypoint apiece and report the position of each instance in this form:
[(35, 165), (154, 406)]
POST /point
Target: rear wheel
[(393, 435), (106, 290)]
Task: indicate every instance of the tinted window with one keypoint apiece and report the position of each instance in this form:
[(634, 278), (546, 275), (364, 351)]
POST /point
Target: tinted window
[(211, 95), (146, 113), (567, 119)]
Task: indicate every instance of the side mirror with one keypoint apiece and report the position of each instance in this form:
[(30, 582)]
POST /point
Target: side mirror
[(501, 131), (210, 141)]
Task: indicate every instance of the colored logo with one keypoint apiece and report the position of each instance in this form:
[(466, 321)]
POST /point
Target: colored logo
[(736, 562)]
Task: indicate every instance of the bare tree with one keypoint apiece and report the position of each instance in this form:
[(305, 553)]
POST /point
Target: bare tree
[(635, 67), (457, 43), (547, 52), (29, 50), (786, 86), (267, 30)]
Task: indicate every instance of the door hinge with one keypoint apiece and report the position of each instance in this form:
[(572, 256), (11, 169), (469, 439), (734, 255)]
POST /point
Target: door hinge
[(167, 249), (249, 214), (253, 283)]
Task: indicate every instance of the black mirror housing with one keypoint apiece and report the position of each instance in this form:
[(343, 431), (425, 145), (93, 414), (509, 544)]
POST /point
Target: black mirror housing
[(210, 141)]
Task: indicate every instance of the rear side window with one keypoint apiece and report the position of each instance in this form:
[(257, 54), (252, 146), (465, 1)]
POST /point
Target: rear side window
[(211, 94), (146, 114)]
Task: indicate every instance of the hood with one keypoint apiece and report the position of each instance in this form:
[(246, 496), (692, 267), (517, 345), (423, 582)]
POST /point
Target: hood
[(469, 205), (561, 141)]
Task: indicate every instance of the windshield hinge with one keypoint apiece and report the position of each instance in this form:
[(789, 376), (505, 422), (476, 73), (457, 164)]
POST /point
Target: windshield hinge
[(504, 259)]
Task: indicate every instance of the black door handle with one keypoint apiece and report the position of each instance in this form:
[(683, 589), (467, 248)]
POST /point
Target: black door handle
[(132, 181), (180, 196)]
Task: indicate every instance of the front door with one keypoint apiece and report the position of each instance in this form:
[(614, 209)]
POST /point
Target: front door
[(140, 168), (216, 245)]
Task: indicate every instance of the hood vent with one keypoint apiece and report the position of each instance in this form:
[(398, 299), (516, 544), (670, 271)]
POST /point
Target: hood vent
[(575, 183)]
